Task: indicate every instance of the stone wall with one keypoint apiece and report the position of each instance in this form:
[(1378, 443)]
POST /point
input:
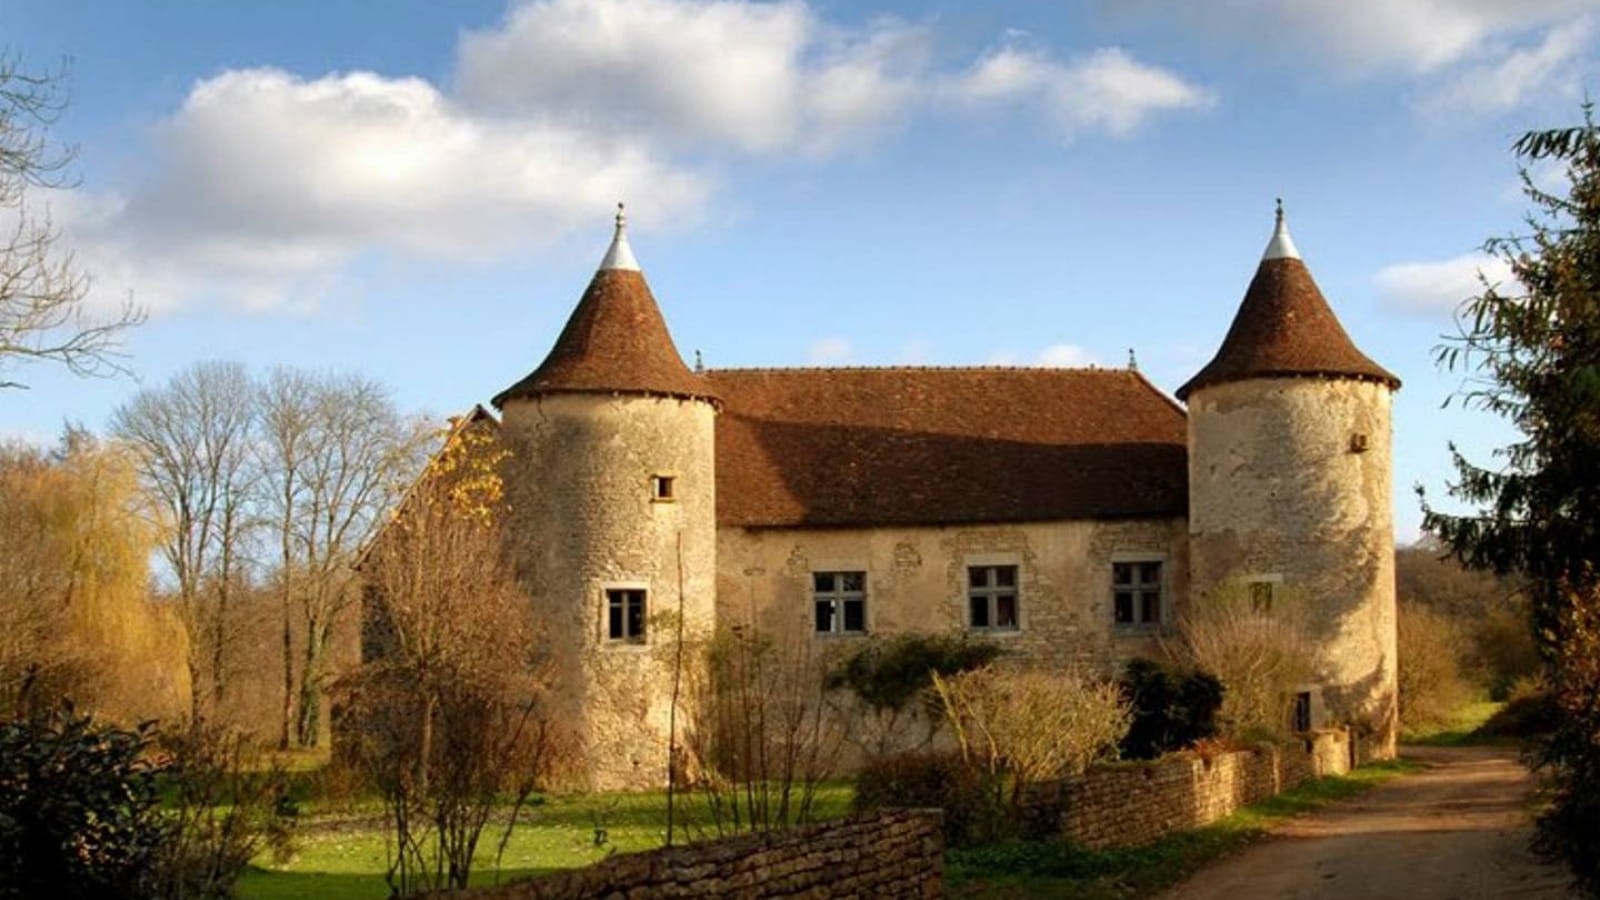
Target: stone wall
[(1130, 804), (584, 520), (916, 581), (891, 854), (1290, 480)]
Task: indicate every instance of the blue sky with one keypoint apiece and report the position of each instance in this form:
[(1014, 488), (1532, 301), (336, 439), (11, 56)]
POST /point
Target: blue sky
[(419, 191)]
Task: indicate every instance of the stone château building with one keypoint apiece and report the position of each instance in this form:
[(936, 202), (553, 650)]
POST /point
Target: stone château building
[(1068, 513)]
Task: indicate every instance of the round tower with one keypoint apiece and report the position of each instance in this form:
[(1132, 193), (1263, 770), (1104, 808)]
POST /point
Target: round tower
[(1290, 489), (611, 484)]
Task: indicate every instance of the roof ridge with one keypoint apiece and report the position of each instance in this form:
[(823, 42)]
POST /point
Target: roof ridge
[(913, 368)]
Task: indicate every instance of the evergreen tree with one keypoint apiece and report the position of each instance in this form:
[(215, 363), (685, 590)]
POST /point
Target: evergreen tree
[(1530, 351)]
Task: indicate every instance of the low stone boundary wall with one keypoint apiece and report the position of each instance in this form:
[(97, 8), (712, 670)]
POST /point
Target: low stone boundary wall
[(896, 854), (1129, 804)]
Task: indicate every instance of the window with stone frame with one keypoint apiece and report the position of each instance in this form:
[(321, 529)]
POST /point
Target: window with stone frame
[(840, 601), (626, 610), (1261, 592), (1136, 599), (992, 603)]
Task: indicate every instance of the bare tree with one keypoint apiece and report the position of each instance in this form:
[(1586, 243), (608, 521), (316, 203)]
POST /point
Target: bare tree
[(191, 440), (449, 713), (330, 448), (42, 290)]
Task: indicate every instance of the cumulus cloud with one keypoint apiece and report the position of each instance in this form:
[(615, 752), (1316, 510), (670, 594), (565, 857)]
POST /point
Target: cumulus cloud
[(1362, 36), (829, 350), (1055, 356), (757, 77), (265, 184), (1506, 82), (1104, 91), (1439, 286)]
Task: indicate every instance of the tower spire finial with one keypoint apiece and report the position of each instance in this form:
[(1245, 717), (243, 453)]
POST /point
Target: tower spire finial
[(620, 255), (1281, 246)]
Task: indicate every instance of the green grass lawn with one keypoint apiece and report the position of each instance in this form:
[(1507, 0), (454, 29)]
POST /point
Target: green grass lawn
[(1460, 730), (1013, 870), (344, 858)]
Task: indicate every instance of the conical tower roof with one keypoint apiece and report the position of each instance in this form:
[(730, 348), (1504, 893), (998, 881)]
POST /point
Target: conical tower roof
[(616, 341), (1285, 329)]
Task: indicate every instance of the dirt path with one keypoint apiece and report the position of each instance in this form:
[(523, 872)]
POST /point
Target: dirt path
[(1457, 831)]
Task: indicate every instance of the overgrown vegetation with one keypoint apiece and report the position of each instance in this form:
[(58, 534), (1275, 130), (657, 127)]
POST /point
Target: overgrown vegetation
[(889, 680), (1261, 654), (1173, 707), (1530, 352)]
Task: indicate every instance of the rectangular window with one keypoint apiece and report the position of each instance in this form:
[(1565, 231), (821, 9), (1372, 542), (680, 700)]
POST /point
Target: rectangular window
[(625, 614), (992, 598), (1260, 597), (841, 602), (1136, 592), (1302, 711), (661, 488)]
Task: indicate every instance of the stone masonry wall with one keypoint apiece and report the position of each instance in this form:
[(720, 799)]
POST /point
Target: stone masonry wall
[(1130, 804), (1291, 479), (891, 854)]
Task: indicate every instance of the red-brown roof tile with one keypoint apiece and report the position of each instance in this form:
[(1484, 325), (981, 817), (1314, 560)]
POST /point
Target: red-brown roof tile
[(904, 446), (615, 342), (1284, 328)]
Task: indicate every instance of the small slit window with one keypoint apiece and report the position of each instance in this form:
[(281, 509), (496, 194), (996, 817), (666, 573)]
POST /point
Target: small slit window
[(663, 488), (625, 615)]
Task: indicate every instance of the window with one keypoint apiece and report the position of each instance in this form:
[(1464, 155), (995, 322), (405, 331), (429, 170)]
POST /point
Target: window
[(661, 488), (841, 601), (992, 598), (1136, 592), (1260, 597), (625, 614)]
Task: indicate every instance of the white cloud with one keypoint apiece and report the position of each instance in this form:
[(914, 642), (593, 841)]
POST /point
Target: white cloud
[(1506, 82), (1104, 91), (829, 351), (1439, 286), (264, 185), (760, 77), (1056, 356), (265, 182), (1065, 356), (1361, 36)]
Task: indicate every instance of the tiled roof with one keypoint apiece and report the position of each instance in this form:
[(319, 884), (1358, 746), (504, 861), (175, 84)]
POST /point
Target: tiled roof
[(902, 446), (1284, 328), (615, 342)]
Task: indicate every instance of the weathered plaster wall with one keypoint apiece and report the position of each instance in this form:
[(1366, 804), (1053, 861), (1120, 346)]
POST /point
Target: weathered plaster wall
[(1277, 488), (916, 581), (584, 520)]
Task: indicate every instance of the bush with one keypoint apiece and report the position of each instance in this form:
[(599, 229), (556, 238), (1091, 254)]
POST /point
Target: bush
[(973, 812), (890, 679), (1431, 646), (1260, 653), (1531, 712), (1173, 707), (1031, 726), (78, 809)]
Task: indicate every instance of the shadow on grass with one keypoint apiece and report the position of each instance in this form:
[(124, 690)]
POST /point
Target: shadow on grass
[(269, 884), (1019, 869)]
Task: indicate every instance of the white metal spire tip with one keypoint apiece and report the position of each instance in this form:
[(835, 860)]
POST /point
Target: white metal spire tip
[(1282, 245), (619, 255)]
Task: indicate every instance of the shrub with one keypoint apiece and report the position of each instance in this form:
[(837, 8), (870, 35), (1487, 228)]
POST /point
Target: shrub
[(1530, 712), (78, 809), (890, 679), (1030, 726), (972, 810), (1173, 707), (1261, 654), (1431, 648)]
